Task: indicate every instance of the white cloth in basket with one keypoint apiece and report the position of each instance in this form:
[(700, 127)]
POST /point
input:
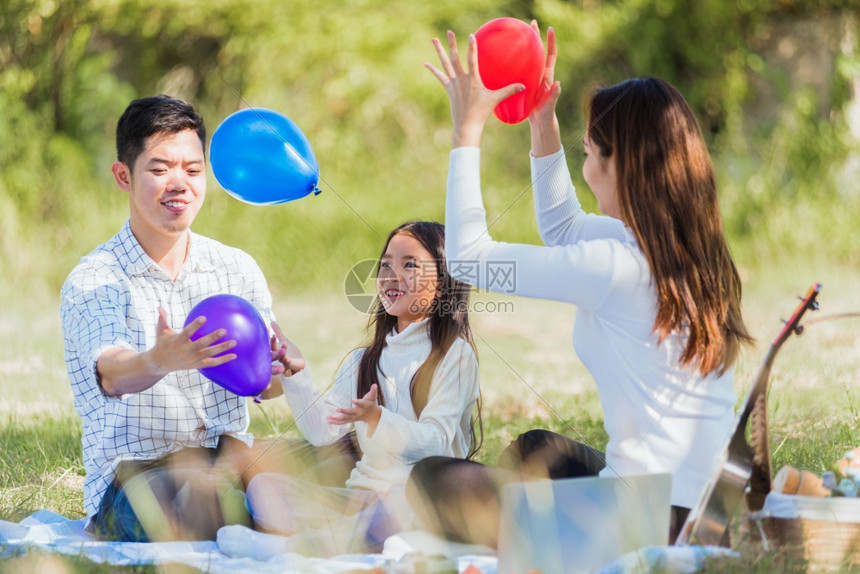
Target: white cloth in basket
[(837, 509)]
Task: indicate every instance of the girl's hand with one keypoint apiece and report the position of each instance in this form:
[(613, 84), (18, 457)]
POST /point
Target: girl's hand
[(364, 409), (471, 102), (285, 352)]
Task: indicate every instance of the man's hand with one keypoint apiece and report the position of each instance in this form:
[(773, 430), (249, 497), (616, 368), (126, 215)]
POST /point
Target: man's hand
[(176, 351), (123, 371)]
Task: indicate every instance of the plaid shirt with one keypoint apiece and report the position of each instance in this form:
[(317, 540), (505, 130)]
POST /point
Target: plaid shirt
[(111, 299)]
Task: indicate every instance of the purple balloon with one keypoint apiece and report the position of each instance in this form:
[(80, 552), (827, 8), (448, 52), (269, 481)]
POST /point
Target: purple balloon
[(250, 372)]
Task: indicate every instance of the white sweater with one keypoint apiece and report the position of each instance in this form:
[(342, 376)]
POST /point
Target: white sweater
[(660, 416), (400, 439)]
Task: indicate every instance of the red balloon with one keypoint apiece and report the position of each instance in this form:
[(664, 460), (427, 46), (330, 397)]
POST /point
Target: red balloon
[(510, 52)]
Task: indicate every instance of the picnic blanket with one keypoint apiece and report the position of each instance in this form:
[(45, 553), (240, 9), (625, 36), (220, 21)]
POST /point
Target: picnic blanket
[(48, 531), (51, 532)]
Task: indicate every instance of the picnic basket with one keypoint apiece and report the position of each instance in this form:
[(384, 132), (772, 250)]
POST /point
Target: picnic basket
[(821, 533), (814, 533)]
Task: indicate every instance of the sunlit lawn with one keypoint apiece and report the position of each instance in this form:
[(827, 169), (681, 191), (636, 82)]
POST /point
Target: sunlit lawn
[(529, 375)]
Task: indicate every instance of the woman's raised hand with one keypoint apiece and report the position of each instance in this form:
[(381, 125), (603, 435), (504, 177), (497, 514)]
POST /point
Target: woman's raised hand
[(471, 102), (549, 89), (546, 138)]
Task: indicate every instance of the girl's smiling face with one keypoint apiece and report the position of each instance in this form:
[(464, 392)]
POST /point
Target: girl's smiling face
[(408, 280)]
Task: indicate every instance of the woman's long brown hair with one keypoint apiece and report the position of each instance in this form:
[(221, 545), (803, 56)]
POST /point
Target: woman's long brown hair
[(449, 320), (668, 198)]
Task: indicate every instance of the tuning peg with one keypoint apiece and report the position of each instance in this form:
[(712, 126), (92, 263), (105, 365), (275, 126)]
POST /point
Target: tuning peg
[(813, 305)]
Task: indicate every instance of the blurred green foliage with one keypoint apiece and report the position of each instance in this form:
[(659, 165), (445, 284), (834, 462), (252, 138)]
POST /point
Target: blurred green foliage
[(350, 74)]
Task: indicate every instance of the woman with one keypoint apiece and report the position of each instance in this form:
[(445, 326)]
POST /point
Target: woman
[(659, 321)]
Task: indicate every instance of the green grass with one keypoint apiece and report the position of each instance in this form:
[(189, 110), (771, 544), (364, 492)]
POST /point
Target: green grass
[(41, 466), (37, 562), (530, 378)]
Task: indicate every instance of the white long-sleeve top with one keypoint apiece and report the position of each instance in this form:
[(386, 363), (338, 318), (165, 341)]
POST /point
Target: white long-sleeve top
[(660, 416), (400, 438)]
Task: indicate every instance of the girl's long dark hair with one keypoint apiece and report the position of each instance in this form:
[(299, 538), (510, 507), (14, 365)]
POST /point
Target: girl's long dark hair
[(449, 320), (668, 197)]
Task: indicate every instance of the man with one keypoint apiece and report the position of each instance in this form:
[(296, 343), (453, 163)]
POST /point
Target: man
[(161, 443)]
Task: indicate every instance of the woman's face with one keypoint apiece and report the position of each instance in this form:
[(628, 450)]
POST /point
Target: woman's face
[(599, 174)]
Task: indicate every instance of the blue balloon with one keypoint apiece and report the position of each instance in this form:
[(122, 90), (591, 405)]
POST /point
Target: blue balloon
[(250, 372), (262, 157)]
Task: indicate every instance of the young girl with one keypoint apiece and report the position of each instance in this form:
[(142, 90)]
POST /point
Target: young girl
[(658, 321), (407, 395)]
